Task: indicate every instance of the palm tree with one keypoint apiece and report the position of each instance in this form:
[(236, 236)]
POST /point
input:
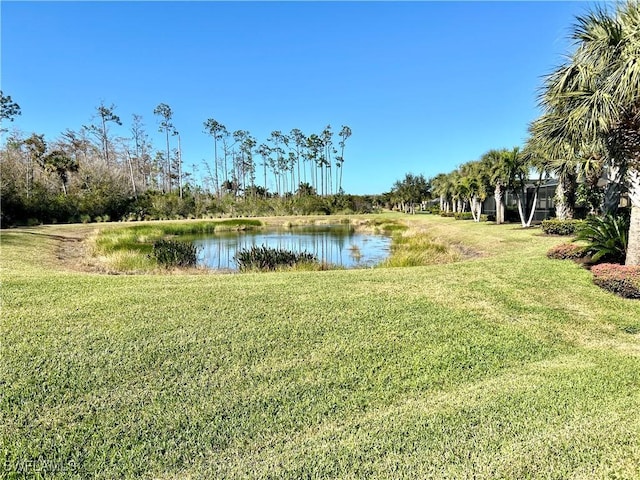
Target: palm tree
[(61, 164), (633, 245), (496, 166), (447, 192), (563, 162), (482, 177), (590, 169), (565, 195), (473, 185), (517, 171), (439, 187), (535, 160), (594, 98)]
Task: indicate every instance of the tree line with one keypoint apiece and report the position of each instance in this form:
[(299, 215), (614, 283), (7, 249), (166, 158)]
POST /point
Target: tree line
[(516, 171), (92, 173), (588, 136)]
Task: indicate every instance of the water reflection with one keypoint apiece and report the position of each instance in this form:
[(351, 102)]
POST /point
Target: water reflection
[(338, 245)]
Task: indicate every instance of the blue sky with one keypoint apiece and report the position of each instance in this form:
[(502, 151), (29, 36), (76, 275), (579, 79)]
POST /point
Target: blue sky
[(424, 86)]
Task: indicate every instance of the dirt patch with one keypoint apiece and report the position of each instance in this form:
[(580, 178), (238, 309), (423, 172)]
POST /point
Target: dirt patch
[(467, 252), (71, 252)]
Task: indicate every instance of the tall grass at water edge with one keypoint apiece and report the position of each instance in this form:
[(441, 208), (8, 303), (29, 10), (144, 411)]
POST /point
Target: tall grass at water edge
[(419, 250), (128, 248)]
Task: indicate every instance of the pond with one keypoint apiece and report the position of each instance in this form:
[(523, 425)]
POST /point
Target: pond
[(335, 244)]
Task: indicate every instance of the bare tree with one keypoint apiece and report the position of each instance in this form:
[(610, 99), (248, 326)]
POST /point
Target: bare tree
[(216, 130), (166, 114), (101, 130), (345, 132)]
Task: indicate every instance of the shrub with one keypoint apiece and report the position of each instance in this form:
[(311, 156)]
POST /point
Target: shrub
[(265, 258), (172, 253), (622, 280), (554, 226), (567, 251), (435, 210), (447, 214), (606, 237), (463, 216)]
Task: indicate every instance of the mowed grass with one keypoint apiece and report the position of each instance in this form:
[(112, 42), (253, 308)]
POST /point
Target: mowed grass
[(508, 365)]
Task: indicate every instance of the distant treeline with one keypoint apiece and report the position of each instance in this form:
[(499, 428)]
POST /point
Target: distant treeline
[(89, 175), (51, 189)]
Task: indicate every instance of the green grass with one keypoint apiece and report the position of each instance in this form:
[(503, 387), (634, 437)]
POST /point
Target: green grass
[(508, 365)]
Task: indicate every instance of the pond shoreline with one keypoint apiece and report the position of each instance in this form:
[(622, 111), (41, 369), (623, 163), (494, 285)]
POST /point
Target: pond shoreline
[(410, 246)]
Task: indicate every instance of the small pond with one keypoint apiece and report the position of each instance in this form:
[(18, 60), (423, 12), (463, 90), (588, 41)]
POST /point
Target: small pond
[(334, 244)]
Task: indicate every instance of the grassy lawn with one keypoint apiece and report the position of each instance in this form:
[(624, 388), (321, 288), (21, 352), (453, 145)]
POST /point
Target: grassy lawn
[(505, 365)]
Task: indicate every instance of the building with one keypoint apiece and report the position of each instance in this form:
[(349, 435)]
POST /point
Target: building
[(545, 203)]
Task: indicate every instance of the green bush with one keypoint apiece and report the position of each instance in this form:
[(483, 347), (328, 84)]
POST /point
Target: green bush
[(265, 258), (435, 210), (620, 279), (567, 251), (172, 253), (463, 216), (554, 226), (607, 237)]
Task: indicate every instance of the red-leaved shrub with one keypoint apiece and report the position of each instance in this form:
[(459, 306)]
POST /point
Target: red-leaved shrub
[(567, 251), (620, 279)]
